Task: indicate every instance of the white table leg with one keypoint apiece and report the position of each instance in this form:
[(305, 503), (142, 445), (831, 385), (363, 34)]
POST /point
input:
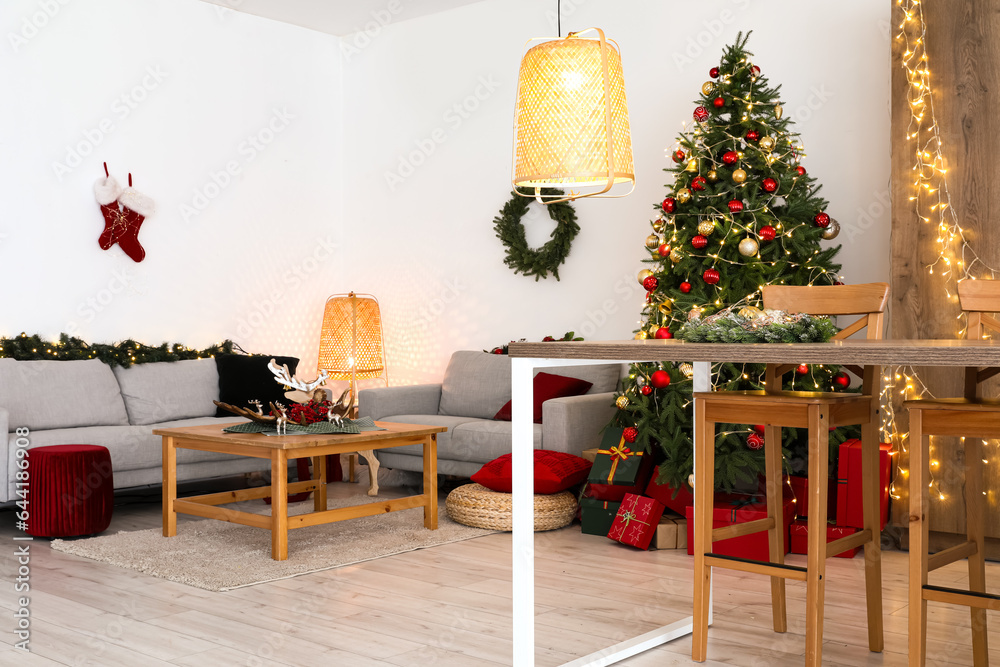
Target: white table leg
[(523, 512), (702, 381)]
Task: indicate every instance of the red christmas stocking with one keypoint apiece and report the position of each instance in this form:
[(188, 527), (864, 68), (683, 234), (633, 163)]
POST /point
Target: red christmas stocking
[(136, 207), (107, 192)]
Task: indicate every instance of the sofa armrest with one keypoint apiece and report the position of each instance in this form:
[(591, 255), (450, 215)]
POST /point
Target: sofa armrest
[(5, 494), (574, 423), (418, 399)]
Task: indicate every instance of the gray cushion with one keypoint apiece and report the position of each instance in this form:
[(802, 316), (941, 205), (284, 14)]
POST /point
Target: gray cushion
[(603, 377), (58, 394), (163, 391), (473, 440), (443, 439), (476, 384)]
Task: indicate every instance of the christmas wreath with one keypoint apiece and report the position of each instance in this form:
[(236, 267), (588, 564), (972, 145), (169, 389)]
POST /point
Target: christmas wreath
[(752, 325), (531, 261)]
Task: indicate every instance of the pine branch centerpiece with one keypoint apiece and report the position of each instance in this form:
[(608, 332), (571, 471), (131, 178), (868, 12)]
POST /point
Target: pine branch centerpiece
[(752, 325)]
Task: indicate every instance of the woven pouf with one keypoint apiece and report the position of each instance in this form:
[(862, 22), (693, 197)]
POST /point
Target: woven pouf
[(475, 505), (71, 490)]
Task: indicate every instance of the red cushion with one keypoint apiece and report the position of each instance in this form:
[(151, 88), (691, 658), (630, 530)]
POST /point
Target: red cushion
[(554, 472), (548, 386)]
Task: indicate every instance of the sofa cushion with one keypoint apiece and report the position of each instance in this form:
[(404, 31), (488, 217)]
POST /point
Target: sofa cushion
[(162, 391), (243, 378), (553, 472), (476, 384), (603, 377), (444, 447), (59, 394), (546, 386)]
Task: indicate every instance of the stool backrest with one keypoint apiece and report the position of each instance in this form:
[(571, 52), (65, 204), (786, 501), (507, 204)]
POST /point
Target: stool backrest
[(979, 297), (868, 300)]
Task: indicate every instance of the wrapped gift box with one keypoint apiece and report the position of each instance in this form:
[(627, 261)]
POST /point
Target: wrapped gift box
[(665, 494), (800, 490), (596, 516), (637, 520), (590, 454), (732, 508), (671, 533), (618, 469), (849, 483), (799, 537)]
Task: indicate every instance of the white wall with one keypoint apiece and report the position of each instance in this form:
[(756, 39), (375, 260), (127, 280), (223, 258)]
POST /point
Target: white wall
[(253, 264), (426, 245)]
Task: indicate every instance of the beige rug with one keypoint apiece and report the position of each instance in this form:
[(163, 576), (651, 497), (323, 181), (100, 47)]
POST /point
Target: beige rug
[(220, 556)]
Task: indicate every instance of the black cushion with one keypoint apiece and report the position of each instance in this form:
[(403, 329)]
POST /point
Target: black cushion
[(243, 378)]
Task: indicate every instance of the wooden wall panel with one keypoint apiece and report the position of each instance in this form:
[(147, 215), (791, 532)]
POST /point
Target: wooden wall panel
[(963, 44)]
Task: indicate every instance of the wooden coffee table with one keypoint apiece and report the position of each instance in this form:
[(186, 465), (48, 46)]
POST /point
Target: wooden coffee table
[(279, 449)]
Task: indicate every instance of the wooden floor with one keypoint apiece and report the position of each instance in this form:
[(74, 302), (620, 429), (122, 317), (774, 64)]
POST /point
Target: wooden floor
[(446, 606)]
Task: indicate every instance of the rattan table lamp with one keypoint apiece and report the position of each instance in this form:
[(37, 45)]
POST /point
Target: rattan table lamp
[(350, 343)]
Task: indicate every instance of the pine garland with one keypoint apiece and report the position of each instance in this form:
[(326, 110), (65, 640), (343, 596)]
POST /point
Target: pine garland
[(124, 353), (732, 327), (530, 261)]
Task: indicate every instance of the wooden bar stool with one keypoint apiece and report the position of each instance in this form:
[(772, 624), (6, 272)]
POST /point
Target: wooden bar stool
[(817, 411), (973, 418)]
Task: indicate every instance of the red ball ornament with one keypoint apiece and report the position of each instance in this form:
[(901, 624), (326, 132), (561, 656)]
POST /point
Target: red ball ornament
[(759, 428), (650, 283), (714, 72), (822, 219), (699, 242), (646, 390), (802, 369), (719, 102), (800, 170), (769, 184), (753, 135), (669, 205), (755, 441), (663, 333), (698, 183), (701, 114), (730, 157), (735, 206), (678, 156), (766, 232), (685, 287), (630, 434), (711, 276), (842, 380), (659, 379), (663, 250)]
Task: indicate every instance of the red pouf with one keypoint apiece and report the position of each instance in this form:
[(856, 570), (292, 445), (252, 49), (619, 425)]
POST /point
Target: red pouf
[(71, 490)]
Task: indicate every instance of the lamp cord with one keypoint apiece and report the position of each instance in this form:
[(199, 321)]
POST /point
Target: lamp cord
[(559, 17)]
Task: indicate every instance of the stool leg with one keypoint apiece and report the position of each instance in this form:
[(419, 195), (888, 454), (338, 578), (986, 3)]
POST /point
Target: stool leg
[(871, 489), (919, 473), (704, 487), (775, 510), (819, 420), (975, 529)]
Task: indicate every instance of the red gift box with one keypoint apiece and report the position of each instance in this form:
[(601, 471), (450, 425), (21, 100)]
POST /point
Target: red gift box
[(732, 508), (665, 493), (800, 490), (849, 492), (800, 534), (636, 521)]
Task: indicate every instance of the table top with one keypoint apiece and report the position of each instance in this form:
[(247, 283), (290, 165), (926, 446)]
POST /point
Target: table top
[(885, 352), (213, 433)]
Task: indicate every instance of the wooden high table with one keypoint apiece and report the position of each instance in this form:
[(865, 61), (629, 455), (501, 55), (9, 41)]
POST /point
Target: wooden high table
[(279, 449), (525, 357)]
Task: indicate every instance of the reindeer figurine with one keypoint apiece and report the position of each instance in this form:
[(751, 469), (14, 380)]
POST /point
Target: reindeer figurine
[(281, 423), (338, 411), (302, 392)]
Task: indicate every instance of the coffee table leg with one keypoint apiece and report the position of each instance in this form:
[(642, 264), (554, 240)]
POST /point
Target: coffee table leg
[(169, 487), (369, 457), (319, 472), (431, 482), (279, 504)]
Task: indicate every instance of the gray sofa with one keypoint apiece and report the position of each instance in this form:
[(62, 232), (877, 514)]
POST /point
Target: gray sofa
[(89, 402), (475, 386)]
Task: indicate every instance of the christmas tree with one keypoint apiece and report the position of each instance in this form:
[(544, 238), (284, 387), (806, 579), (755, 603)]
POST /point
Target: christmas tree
[(741, 213)]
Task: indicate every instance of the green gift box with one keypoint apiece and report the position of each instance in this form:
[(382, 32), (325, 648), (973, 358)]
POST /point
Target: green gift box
[(617, 464), (596, 515)]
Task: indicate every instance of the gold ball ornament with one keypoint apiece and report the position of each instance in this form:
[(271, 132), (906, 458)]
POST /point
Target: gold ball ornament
[(683, 195), (641, 335), (750, 312), (652, 241), (687, 369), (675, 256), (692, 165), (766, 143), (712, 175), (707, 88), (706, 227), (778, 111), (621, 402), (739, 176), (748, 247), (657, 225), (645, 273), (830, 231)]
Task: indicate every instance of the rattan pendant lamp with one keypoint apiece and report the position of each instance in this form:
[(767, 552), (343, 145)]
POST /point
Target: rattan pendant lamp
[(571, 126), (350, 343)]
